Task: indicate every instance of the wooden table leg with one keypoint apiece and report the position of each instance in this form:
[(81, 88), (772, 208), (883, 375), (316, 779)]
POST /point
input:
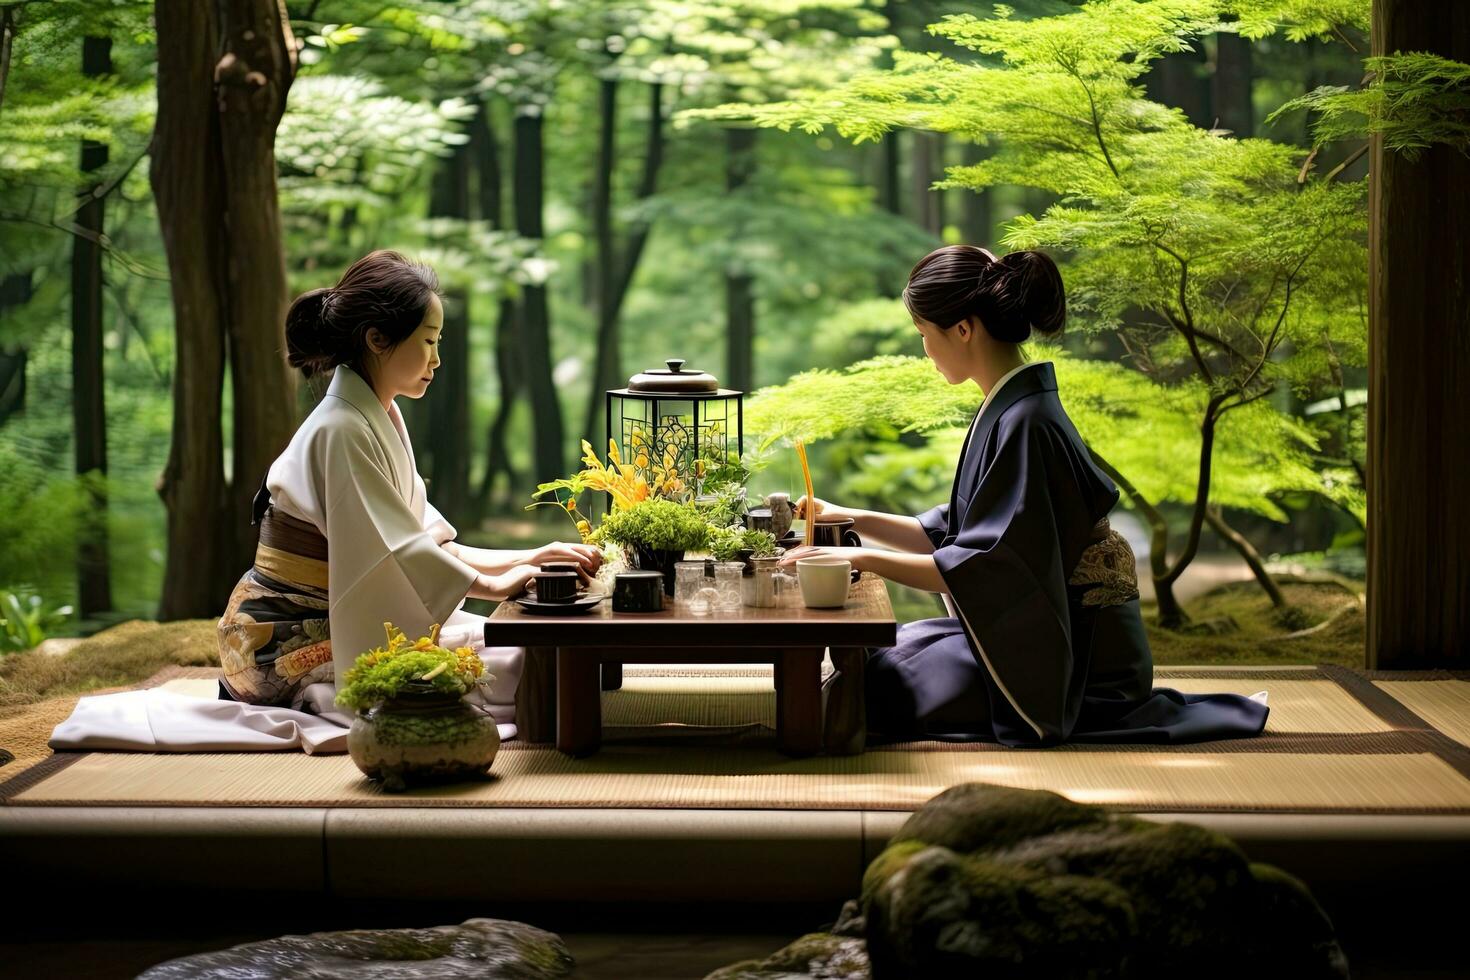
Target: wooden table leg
[(578, 702), (799, 701), (612, 677), (536, 696), (845, 727)]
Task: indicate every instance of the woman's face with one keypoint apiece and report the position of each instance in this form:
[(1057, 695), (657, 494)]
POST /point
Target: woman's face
[(408, 368), (948, 349)]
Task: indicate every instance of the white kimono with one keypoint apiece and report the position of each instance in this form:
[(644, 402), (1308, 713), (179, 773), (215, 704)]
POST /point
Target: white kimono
[(349, 470)]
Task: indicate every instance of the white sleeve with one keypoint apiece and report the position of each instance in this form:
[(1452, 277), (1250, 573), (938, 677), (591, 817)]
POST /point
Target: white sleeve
[(382, 564)]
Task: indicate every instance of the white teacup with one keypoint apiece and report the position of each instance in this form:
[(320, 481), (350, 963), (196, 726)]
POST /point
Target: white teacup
[(824, 581)]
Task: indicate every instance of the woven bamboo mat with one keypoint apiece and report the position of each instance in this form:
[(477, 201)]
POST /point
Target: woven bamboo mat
[(701, 737)]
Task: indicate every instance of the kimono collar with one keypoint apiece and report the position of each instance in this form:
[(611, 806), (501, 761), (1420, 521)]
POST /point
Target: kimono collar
[(387, 425), (995, 389), (1028, 379)]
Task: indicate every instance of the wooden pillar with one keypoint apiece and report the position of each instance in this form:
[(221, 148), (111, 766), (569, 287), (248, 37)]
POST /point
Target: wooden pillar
[(1419, 372)]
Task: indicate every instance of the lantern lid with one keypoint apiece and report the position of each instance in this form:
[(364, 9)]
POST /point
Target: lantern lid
[(676, 379)]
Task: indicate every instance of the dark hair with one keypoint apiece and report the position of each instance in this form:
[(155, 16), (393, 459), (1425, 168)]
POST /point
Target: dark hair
[(1012, 295), (327, 327)]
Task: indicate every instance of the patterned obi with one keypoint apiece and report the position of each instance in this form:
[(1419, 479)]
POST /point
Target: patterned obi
[(1107, 572), (274, 637)]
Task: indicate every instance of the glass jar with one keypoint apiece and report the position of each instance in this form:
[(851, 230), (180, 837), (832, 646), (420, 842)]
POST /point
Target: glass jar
[(767, 586), (694, 587), (728, 575)]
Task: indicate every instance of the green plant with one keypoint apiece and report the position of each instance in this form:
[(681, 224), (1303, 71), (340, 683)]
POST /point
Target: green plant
[(760, 544), (725, 543), (25, 620), (406, 668), (726, 507), (657, 524)]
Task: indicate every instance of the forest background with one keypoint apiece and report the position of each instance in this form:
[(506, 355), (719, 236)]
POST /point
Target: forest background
[(604, 185)]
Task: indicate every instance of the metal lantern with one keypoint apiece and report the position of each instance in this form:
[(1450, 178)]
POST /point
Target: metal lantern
[(680, 411)]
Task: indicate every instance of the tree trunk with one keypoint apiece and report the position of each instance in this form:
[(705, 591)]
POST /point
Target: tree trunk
[(448, 409), (187, 183), (1248, 554), (1171, 614), (223, 73), (7, 44), (888, 160), (15, 291), (926, 200), (978, 218), (739, 284), (252, 79), (1230, 88), (619, 275), (505, 357), (535, 318), (1179, 80), (1419, 368), (89, 412), (606, 364)]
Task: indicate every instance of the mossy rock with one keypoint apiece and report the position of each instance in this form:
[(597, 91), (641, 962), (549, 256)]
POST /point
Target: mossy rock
[(817, 954), (484, 948), (996, 882)]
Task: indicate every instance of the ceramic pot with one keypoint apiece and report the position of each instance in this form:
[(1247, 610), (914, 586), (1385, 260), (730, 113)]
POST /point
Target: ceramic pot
[(423, 738), (656, 560)]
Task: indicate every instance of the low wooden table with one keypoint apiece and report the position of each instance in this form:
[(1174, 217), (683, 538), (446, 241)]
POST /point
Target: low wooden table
[(571, 659)]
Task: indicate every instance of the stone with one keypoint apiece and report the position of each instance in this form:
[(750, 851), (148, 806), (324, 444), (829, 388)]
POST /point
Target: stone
[(817, 956), (1005, 883), (485, 948)]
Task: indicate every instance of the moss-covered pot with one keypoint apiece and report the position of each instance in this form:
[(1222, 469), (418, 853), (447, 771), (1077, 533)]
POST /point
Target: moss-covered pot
[(421, 738)]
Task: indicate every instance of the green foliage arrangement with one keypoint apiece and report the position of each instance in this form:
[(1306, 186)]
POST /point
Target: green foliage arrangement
[(661, 525), (726, 543), (402, 668)]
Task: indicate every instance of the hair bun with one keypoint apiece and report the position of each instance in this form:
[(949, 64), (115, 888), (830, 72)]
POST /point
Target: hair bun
[(307, 342), (1030, 295)]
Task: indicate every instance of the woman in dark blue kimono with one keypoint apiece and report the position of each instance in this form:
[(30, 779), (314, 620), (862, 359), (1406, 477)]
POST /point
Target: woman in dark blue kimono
[(1046, 643)]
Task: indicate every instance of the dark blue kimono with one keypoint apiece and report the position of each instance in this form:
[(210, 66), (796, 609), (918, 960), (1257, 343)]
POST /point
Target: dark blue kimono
[(1048, 645)]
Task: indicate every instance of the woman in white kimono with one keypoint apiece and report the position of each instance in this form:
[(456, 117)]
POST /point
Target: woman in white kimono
[(348, 540)]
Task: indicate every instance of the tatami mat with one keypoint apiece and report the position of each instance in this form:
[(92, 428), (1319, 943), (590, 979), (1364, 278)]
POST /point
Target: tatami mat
[(1328, 748), (622, 776), (1444, 704)]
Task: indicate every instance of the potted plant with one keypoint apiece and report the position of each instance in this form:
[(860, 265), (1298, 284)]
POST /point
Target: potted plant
[(412, 722), (654, 534)]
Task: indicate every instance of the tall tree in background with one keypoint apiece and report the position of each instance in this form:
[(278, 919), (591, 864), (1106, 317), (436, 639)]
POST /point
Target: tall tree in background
[(1419, 367), (506, 353), (89, 412), (448, 412), (617, 259), (739, 282), (529, 180), (223, 73)]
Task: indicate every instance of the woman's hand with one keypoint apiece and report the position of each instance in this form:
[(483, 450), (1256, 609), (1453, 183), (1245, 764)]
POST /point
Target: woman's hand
[(858, 556), (588, 558), (507, 585), (821, 507)]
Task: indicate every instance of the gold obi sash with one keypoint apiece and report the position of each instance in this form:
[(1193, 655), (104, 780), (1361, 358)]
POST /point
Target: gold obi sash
[(291, 551), (1107, 571)]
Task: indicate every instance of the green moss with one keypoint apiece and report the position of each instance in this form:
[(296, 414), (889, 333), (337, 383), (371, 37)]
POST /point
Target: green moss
[(125, 655), (1258, 636), (976, 816)]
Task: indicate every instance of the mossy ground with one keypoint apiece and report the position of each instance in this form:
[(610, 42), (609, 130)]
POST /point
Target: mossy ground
[(1256, 634)]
